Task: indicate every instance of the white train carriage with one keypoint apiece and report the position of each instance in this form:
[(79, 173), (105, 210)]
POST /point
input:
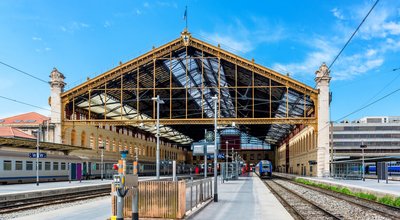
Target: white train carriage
[(17, 167)]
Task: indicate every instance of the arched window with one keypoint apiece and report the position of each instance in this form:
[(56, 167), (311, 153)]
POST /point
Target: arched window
[(100, 142), (107, 144), (73, 137), (83, 139), (92, 141)]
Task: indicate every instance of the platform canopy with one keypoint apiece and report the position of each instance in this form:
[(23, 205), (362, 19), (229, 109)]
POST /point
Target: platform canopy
[(186, 73)]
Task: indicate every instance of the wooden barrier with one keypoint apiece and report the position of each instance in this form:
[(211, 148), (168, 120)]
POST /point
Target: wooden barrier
[(157, 199)]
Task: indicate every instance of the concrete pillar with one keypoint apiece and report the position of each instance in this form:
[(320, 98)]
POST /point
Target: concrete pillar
[(57, 87), (322, 80)]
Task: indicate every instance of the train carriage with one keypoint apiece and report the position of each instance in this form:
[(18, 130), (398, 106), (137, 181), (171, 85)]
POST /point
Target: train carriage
[(264, 168)]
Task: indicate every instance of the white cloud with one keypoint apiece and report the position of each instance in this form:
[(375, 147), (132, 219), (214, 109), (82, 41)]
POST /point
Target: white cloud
[(167, 4), (138, 12), (47, 49), (243, 39), (243, 46), (146, 5), (74, 26), (36, 38), (380, 23), (337, 14), (345, 68), (370, 52), (323, 52), (379, 35), (392, 27), (83, 25), (107, 24)]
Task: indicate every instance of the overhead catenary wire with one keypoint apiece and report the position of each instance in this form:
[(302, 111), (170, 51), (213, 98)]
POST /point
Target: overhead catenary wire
[(359, 109), (25, 103), (23, 72), (385, 86), (354, 33)]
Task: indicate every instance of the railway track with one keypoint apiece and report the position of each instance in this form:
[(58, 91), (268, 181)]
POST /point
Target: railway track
[(25, 204), (300, 208), (337, 205), (384, 210)]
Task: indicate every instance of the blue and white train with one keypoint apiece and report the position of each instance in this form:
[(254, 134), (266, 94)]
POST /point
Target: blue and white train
[(264, 168)]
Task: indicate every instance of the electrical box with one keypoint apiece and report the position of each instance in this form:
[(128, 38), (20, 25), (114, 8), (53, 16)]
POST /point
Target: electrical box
[(132, 180), (118, 181)]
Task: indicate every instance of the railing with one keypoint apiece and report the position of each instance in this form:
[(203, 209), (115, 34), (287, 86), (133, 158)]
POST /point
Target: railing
[(197, 192), (167, 199)]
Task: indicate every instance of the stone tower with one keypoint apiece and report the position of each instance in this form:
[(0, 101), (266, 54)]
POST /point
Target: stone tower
[(322, 79), (57, 87)]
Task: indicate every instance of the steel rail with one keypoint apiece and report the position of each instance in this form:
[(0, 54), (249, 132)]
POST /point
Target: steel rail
[(389, 212), (26, 203), (306, 201)]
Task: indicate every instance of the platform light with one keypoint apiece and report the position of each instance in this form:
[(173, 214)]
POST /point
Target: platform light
[(159, 101), (215, 99), (363, 146)]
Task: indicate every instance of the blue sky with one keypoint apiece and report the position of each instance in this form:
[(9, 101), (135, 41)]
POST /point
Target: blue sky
[(86, 38)]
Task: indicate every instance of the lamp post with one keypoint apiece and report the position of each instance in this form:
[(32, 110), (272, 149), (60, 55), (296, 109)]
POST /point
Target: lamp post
[(102, 160), (37, 156), (205, 154), (159, 101), (215, 98), (363, 146), (226, 159)]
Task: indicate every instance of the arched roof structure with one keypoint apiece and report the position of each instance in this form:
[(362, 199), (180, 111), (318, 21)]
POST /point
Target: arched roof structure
[(186, 73)]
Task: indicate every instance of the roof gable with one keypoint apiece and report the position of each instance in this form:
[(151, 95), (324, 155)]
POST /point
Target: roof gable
[(31, 118)]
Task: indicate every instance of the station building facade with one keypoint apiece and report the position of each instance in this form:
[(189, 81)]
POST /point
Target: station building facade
[(380, 134)]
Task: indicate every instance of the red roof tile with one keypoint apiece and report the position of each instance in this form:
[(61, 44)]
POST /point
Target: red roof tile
[(27, 118), (14, 133)]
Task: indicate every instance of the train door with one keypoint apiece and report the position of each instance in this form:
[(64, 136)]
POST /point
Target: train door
[(73, 171), (84, 169), (78, 171), (89, 168)]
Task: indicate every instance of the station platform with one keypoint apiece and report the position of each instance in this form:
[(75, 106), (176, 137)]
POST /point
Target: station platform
[(245, 198), (392, 188)]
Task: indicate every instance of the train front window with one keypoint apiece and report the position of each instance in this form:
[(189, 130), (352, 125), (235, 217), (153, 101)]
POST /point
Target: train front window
[(265, 167), (7, 165), (18, 165), (29, 165)]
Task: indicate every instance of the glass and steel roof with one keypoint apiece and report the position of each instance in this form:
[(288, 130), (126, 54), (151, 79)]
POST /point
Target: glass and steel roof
[(186, 78)]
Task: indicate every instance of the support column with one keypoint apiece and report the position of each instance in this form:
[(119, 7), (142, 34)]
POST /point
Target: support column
[(57, 87), (322, 80)]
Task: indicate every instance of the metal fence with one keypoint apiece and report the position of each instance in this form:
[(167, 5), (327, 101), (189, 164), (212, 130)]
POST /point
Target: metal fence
[(157, 199), (347, 170), (167, 199), (197, 192), (230, 172)]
